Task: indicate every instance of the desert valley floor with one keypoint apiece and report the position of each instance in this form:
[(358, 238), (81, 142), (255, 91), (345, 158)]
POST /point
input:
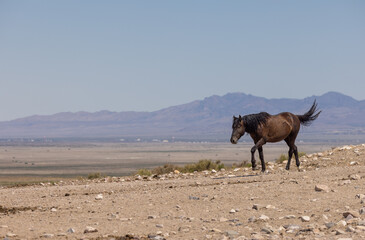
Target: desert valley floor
[(324, 200)]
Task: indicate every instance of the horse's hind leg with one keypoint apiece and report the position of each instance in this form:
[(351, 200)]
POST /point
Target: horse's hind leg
[(296, 156), (290, 154), (261, 154), (292, 149)]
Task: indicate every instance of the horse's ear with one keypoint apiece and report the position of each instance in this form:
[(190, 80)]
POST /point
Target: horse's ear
[(240, 117)]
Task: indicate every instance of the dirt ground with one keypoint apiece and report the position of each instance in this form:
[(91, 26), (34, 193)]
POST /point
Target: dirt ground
[(324, 200)]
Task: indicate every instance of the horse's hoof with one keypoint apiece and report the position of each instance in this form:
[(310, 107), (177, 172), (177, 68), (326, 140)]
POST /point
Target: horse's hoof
[(287, 168)]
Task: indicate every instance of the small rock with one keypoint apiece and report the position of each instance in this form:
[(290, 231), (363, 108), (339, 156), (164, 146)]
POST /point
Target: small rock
[(264, 218), (354, 177), (232, 211), (184, 229), (151, 217), (48, 235), (362, 210), (289, 217), (193, 198), (305, 218), (321, 188), (231, 233), (292, 227), (252, 219), (159, 225), (177, 172), (53, 209), (71, 230), (266, 230), (344, 182), (258, 206), (11, 234), (354, 214), (216, 230), (99, 197), (222, 219), (329, 225), (90, 230), (360, 196), (340, 232), (342, 223)]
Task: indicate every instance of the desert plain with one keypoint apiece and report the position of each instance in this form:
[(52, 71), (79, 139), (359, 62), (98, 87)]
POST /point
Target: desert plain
[(324, 200)]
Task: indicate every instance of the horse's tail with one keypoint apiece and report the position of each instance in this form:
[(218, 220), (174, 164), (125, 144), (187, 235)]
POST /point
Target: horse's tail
[(307, 118)]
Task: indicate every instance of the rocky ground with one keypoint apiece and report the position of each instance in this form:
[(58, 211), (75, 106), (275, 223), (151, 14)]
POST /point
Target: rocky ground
[(325, 200)]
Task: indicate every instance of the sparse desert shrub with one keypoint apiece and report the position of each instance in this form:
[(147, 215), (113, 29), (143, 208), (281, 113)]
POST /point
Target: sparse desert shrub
[(92, 176), (203, 165), (167, 168), (189, 168), (144, 172), (244, 164), (284, 157)]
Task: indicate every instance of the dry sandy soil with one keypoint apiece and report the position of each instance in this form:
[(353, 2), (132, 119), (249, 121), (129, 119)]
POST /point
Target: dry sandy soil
[(325, 200)]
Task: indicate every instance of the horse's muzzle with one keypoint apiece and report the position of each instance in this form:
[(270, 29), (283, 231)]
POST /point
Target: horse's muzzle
[(233, 141)]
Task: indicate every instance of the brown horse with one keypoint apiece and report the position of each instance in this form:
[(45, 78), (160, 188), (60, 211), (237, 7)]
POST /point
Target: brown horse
[(264, 128)]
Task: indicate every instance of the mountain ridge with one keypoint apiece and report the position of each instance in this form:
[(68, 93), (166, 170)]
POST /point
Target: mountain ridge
[(208, 117)]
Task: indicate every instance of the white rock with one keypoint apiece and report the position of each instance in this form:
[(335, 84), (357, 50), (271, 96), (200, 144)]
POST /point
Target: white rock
[(305, 218), (321, 188), (99, 197), (90, 230), (264, 218), (48, 235), (342, 223), (232, 211)]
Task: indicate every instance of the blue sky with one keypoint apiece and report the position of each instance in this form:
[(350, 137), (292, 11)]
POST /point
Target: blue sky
[(58, 56)]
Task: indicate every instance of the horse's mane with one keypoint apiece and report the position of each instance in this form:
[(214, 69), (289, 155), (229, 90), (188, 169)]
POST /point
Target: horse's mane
[(252, 121)]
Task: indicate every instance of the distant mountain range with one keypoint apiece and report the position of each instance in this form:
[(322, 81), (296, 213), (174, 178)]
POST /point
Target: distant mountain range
[(209, 118)]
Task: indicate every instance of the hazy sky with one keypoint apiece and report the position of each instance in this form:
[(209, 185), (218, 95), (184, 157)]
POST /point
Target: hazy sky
[(64, 55)]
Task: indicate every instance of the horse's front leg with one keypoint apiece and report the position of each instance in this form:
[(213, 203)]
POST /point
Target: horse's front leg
[(258, 145)]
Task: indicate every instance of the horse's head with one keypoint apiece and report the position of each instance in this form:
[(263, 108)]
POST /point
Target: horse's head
[(238, 129)]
